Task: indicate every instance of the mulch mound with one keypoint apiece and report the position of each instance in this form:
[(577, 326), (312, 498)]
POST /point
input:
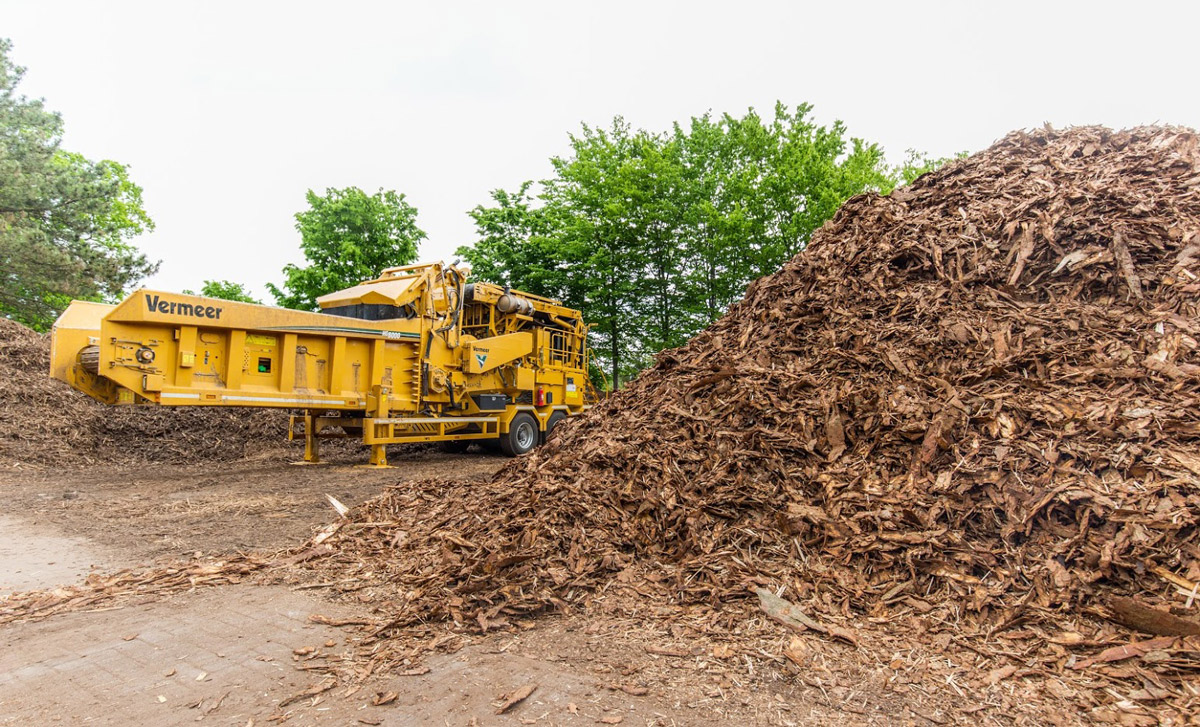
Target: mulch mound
[(968, 407), (963, 423), (46, 423)]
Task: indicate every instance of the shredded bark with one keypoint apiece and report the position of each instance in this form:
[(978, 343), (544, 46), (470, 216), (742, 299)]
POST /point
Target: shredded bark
[(45, 423), (969, 406), (967, 415)]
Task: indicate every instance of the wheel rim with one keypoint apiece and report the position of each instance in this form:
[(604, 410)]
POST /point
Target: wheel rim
[(525, 435)]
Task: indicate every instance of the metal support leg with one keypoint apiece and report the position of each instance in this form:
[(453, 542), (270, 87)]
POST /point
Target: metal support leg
[(312, 449), (377, 408), (379, 455)]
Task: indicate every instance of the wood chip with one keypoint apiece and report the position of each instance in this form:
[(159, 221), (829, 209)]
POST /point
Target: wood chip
[(1127, 651), (1148, 620), (516, 697), (957, 387), (384, 698)]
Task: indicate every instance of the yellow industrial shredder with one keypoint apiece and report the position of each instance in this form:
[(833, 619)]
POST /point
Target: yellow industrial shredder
[(416, 355)]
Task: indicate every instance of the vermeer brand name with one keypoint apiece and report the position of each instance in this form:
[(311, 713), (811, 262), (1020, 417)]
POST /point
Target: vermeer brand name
[(158, 305)]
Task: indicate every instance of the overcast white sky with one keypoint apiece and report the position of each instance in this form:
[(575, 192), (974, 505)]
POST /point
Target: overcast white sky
[(228, 111)]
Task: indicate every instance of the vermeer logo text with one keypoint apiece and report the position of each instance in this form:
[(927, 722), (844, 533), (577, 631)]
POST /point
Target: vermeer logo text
[(158, 305)]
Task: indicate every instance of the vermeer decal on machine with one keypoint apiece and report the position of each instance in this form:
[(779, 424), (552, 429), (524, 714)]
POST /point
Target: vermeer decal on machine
[(156, 304)]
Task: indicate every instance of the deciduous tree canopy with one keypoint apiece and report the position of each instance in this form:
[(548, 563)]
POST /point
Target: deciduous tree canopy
[(225, 290), (65, 221), (654, 235), (348, 236)]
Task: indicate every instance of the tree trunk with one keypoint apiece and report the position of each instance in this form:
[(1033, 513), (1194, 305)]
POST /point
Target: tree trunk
[(712, 291), (615, 348)]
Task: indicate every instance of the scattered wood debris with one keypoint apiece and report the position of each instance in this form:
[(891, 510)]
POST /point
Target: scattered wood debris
[(970, 407), (311, 692), (130, 585), (967, 416)]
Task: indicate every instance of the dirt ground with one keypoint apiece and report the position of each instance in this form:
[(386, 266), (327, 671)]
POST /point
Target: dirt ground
[(227, 655), (135, 514)]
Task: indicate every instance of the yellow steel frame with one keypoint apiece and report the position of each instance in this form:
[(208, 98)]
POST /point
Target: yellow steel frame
[(408, 379)]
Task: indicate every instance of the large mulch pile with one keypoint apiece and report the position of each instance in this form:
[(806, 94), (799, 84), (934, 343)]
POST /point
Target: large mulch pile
[(959, 435), (46, 423), (971, 407)]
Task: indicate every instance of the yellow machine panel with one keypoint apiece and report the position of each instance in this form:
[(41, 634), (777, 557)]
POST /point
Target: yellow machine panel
[(417, 354)]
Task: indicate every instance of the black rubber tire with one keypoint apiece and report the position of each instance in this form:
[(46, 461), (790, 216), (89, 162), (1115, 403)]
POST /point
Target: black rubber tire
[(551, 423), (522, 435)]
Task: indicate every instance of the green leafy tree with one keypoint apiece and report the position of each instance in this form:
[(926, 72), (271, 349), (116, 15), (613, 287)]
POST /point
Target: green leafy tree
[(225, 290), (653, 236), (593, 205), (348, 236), (755, 190), (714, 212), (654, 179), (793, 176), (513, 247), (65, 221), (917, 163)]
